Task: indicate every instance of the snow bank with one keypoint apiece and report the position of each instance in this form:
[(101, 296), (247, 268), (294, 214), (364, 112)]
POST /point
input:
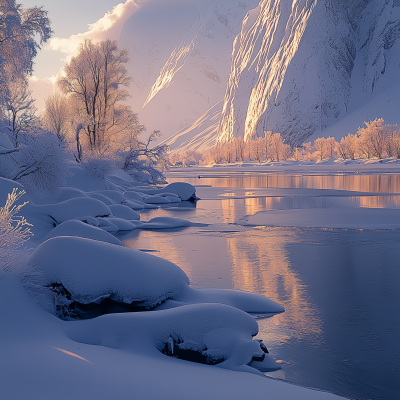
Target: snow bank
[(121, 211), (67, 193), (246, 301), (7, 186), (106, 200), (344, 218), (90, 271), (184, 190), (75, 208), (83, 230), (168, 223), (115, 356)]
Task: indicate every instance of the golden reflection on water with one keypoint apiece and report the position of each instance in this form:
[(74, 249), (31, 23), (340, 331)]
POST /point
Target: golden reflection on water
[(379, 201), (234, 209), (260, 264), (166, 246), (389, 183)]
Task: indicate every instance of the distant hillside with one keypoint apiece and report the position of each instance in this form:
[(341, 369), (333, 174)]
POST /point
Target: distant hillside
[(199, 136)]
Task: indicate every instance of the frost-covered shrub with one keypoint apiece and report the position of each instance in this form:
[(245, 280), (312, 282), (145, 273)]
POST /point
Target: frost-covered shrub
[(144, 163), (41, 163), (14, 230), (98, 166)]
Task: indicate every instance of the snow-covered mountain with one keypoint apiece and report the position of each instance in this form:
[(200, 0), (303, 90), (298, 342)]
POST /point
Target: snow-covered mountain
[(298, 67), (180, 53)]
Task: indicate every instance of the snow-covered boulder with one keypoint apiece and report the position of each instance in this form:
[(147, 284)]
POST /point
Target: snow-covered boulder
[(184, 190), (106, 200), (83, 230), (245, 301), (154, 199), (114, 195), (121, 211), (107, 225), (75, 208), (121, 223), (7, 186), (167, 223), (84, 277), (134, 205), (133, 195), (67, 193)]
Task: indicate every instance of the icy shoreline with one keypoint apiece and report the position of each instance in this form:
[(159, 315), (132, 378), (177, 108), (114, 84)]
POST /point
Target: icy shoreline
[(81, 271)]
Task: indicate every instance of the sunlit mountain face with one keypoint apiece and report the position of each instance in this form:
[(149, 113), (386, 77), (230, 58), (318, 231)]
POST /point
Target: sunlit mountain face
[(180, 54), (302, 68), (299, 67)]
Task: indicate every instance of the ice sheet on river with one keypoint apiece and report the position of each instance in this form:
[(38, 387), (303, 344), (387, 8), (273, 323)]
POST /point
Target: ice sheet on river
[(344, 218)]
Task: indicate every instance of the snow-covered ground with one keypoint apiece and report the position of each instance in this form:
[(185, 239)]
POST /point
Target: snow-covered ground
[(51, 344)]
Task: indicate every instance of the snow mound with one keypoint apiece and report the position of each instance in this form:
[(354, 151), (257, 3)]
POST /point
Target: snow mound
[(106, 200), (83, 230), (156, 200), (184, 190), (245, 301), (125, 212), (136, 205), (67, 193), (206, 333), (133, 195), (75, 208), (114, 195), (6, 187), (121, 224), (78, 274), (167, 222)]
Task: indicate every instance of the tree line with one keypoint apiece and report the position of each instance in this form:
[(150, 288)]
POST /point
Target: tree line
[(375, 140), (85, 118)]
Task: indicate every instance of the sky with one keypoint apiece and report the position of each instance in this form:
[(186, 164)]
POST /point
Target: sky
[(74, 20)]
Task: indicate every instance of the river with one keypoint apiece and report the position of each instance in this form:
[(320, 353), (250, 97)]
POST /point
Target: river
[(340, 288)]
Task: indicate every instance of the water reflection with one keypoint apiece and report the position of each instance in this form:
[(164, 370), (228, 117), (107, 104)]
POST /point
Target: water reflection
[(260, 264), (389, 183), (339, 287)]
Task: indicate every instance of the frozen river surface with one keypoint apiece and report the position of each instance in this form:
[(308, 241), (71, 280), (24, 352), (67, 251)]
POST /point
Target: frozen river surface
[(340, 287)]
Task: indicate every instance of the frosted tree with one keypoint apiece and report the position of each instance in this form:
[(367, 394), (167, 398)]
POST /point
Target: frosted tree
[(18, 106), (22, 32), (56, 116), (331, 145), (321, 147), (94, 81), (373, 138), (267, 144), (348, 146), (278, 148)]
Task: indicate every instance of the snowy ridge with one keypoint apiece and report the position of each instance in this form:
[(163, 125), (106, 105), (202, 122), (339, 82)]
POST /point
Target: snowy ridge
[(200, 136)]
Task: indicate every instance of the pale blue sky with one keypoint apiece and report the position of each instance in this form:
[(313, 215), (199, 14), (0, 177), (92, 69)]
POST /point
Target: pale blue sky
[(68, 17)]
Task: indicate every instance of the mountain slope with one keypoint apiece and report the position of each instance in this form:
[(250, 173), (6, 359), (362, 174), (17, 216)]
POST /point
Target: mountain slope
[(298, 67), (199, 136), (180, 54)]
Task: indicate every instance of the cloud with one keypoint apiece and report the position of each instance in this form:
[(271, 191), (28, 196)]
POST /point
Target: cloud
[(107, 27)]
